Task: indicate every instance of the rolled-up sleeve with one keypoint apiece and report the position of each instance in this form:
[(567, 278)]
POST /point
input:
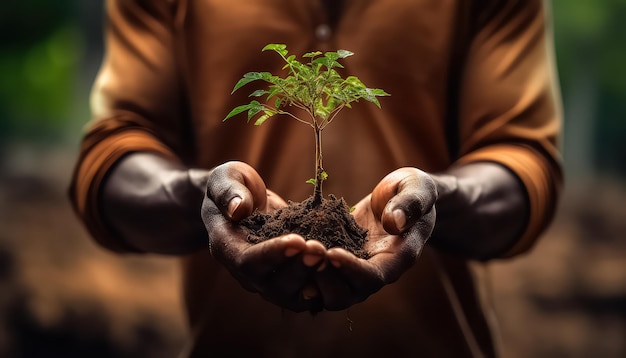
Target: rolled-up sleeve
[(510, 109), (135, 103)]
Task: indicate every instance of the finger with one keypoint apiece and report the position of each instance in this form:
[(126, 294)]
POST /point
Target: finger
[(314, 253), (347, 280), (284, 286), (292, 287), (289, 276), (274, 201), (402, 198), (395, 254), (335, 292), (260, 260), (237, 189), (290, 284), (226, 240), (417, 235)]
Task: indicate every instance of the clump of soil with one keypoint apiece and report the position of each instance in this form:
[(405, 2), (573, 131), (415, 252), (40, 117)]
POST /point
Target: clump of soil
[(330, 223)]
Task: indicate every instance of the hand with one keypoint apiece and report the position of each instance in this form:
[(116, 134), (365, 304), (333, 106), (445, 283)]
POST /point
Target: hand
[(399, 216), (279, 269)]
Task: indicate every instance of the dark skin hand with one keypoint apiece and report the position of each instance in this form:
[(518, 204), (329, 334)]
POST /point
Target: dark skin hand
[(154, 205), (399, 215), (278, 269), (480, 213), (281, 269)]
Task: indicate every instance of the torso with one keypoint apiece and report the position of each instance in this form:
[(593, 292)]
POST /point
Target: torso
[(401, 46)]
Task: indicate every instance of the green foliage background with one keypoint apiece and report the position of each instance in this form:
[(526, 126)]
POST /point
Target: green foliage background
[(47, 61), (41, 52), (590, 41)]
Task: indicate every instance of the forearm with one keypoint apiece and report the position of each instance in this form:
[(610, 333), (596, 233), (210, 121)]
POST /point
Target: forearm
[(482, 210), (154, 204)]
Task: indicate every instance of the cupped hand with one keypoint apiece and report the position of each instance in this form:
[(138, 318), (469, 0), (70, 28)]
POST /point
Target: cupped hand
[(399, 215), (279, 269)]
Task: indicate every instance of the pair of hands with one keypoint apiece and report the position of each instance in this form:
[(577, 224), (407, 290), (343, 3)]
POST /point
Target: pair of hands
[(302, 275)]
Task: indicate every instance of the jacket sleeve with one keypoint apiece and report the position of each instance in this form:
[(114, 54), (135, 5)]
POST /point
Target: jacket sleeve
[(509, 105), (135, 102)]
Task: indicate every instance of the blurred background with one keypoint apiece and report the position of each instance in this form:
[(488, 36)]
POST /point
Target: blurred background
[(61, 296)]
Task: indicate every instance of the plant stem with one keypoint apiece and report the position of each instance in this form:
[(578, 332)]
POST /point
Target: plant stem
[(317, 193)]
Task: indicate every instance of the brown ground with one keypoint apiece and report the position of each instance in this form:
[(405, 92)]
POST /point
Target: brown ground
[(62, 295)]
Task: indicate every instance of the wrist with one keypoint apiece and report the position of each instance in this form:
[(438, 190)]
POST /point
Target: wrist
[(185, 188), (454, 194), (198, 178), (481, 210)]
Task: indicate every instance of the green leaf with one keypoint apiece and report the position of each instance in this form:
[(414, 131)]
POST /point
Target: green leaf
[(258, 93), (371, 93), (354, 81), (238, 110), (311, 181), (377, 92), (255, 107), (330, 59), (278, 102), (264, 117), (324, 175), (249, 77), (324, 61), (331, 56), (344, 53), (280, 48), (273, 91), (373, 100), (312, 54)]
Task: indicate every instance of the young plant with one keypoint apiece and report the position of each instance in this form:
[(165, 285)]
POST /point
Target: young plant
[(314, 87)]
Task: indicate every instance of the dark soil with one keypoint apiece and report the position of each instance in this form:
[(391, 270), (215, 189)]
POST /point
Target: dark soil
[(329, 223)]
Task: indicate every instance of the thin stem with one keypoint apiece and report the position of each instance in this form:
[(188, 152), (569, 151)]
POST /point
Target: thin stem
[(319, 169), (279, 111), (332, 116), (294, 117), (298, 104)]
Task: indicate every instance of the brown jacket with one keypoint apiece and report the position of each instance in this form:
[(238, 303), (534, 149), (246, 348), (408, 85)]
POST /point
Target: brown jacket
[(469, 81)]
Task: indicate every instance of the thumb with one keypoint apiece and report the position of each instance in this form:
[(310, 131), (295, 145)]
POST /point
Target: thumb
[(237, 189), (403, 197)]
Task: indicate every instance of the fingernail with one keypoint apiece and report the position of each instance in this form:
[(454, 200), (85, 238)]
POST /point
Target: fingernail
[(292, 251), (233, 205), (399, 218), (311, 260)]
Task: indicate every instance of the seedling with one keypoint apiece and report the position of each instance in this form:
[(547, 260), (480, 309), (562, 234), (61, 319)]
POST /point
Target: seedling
[(314, 87)]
